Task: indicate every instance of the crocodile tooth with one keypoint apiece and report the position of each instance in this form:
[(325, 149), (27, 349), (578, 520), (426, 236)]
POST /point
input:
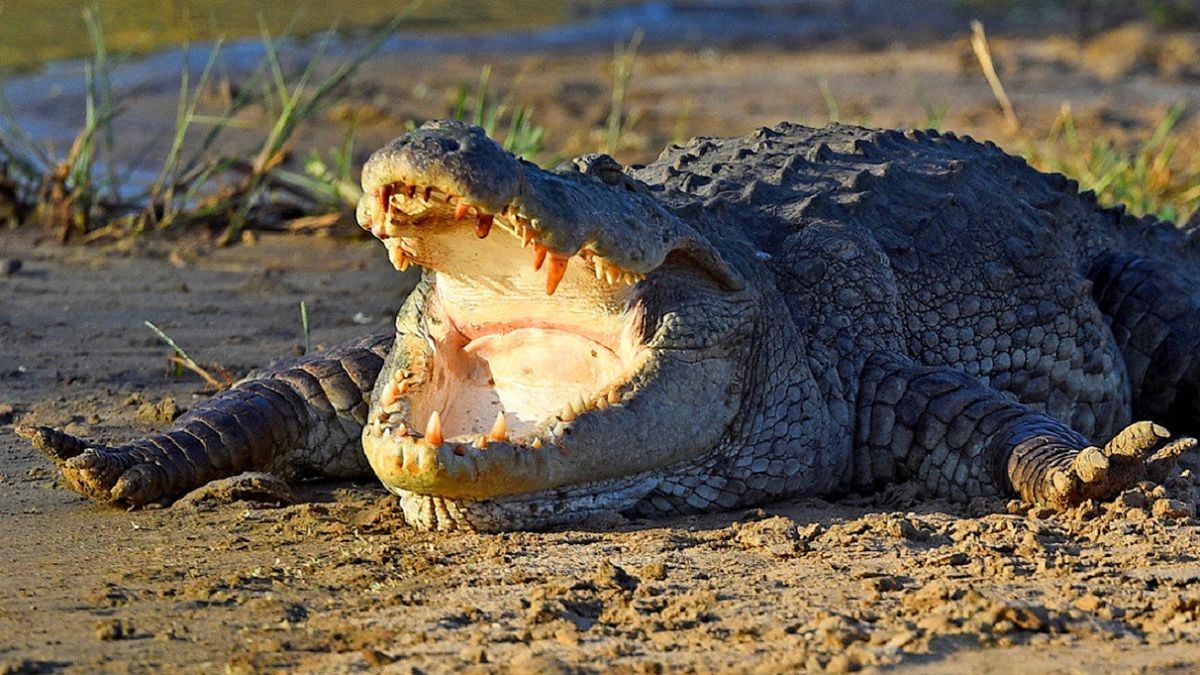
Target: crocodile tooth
[(612, 273), (598, 267), (385, 200), (460, 211), (399, 259), (526, 236), (499, 430), (539, 256), (426, 194), (614, 396), (433, 430), (601, 402), (483, 225), (482, 441), (402, 429), (536, 444), (554, 273), (390, 393), (387, 432), (568, 413), (560, 429)]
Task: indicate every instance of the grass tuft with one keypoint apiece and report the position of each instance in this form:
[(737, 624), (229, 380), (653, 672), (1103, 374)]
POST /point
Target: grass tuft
[(623, 61), (250, 188), (523, 138), (1150, 177)]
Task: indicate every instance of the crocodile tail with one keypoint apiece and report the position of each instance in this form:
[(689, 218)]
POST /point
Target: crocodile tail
[(300, 417)]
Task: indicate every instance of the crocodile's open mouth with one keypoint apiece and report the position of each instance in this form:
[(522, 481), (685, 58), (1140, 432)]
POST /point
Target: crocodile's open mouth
[(521, 343), (569, 331)]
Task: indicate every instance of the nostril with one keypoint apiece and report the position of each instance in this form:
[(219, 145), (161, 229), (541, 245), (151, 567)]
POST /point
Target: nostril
[(448, 144)]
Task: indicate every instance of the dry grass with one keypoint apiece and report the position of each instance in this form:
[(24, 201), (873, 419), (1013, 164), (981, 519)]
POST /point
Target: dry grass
[(1158, 176)]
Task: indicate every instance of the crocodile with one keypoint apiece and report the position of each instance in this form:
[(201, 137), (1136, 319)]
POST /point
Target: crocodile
[(798, 312)]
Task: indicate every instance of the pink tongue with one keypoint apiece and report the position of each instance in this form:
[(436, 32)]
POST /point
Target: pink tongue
[(537, 371)]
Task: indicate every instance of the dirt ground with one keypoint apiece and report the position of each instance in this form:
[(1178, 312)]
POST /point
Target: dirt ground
[(336, 583)]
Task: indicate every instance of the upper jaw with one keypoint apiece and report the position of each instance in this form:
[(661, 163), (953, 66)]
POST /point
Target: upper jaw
[(563, 214)]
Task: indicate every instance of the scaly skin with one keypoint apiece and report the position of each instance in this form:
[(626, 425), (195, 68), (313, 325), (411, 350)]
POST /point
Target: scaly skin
[(798, 312)]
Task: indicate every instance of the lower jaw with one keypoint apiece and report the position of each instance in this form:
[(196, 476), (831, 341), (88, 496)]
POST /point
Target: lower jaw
[(556, 507)]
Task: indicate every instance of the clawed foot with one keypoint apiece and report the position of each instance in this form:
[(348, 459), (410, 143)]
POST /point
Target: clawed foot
[(1142, 451), (93, 471)]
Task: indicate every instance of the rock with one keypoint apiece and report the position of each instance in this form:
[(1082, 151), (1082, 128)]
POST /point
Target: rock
[(114, 629), (838, 632), (260, 488), (841, 663), (609, 575), (162, 413), (1089, 602), (473, 654), (776, 536), (883, 584), (654, 571), (1171, 509), (1133, 498), (376, 658), (903, 528), (1033, 618)]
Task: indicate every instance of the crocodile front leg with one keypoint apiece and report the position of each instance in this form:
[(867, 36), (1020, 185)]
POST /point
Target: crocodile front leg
[(962, 439), (302, 417)]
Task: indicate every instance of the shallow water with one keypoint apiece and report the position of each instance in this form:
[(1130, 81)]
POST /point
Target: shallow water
[(34, 32)]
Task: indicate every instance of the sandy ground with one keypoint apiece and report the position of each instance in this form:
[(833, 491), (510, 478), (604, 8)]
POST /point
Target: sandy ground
[(336, 583)]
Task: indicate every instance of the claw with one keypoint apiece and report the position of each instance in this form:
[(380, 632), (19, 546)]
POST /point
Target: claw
[(1159, 466), (1061, 482), (1091, 465), (134, 485), (54, 444), (1138, 440)]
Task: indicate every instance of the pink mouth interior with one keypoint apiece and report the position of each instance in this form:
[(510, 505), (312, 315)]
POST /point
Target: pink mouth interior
[(532, 373), (530, 369)]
